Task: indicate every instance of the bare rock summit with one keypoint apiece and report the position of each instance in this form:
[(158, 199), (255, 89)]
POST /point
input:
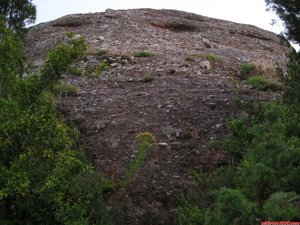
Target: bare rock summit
[(162, 31)]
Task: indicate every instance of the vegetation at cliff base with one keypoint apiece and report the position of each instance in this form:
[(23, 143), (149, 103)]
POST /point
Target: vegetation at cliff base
[(261, 179), (44, 178)]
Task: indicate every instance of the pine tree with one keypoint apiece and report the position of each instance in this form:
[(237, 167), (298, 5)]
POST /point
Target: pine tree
[(17, 14), (289, 12)]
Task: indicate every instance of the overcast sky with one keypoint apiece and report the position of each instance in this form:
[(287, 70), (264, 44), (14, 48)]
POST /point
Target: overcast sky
[(242, 11)]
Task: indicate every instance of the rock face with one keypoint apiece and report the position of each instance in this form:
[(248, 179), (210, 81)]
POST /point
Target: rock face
[(185, 105), (163, 31)]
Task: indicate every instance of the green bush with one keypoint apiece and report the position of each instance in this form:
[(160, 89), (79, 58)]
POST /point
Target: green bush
[(59, 60), (44, 178), (265, 147), (261, 83), (246, 70), (256, 180), (190, 214), (282, 206), (144, 54), (238, 138), (12, 60), (232, 207)]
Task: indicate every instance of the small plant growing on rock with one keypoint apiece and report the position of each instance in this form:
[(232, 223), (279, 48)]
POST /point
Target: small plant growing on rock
[(268, 68), (88, 70), (247, 70), (103, 52), (186, 136), (103, 66), (75, 71), (145, 141), (210, 57), (144, 54), (261, 83), (148, 79), (104, 55), (63, 89), (190, 58)]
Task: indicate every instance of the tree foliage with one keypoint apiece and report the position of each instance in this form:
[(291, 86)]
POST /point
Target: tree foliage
[(17, 13), (291, 81), (12, 59), (44, 179), (289, 12)]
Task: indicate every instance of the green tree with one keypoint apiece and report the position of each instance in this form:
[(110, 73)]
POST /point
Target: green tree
[(291, 81), (232, 207), (281, 206), (17, 13), (44, 179), (289, 12)]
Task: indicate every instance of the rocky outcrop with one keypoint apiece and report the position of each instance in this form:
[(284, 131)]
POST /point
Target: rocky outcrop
[(163, 31), (185, 104)]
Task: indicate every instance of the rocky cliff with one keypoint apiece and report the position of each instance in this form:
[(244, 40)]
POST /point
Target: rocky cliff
[(194, 71)]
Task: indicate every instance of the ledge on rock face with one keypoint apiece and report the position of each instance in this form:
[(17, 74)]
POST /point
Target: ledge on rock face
[(71, 21), (177, 26)]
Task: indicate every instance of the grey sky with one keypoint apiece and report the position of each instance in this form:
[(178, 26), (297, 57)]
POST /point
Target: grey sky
[(242, 11)]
